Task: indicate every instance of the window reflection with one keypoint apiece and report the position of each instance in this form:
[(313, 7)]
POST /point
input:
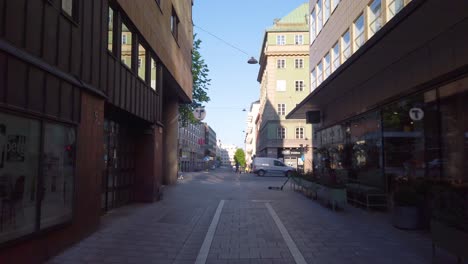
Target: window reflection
[(141, 62), (154, 72), (126, 53), (110, 28)]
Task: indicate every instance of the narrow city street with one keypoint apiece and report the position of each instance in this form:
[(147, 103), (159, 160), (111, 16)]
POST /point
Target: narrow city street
[(223, 217)]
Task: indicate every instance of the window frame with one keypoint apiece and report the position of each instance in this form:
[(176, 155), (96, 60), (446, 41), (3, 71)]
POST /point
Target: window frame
[(313, 81), (299, 63), (280, 63), (359, 39), (326, 65), (175, 21), (281, 132), (281, 109), (313, 25), (335, 56), (280, 40), (344, 49), (300, 132), (298, 39), (299, 85), (375, 18)]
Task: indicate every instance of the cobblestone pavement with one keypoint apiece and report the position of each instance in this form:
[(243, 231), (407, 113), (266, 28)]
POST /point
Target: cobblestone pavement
[(236, 219)]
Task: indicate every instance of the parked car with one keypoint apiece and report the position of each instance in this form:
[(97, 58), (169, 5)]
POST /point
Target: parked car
[(271, 166)]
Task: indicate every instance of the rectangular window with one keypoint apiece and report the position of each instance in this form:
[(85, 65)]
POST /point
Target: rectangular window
[(394, 6), (319, 73), (142, 62), (358, 28), (299, 133), (299, 63), (20, 180), (281, 85), (346, 45), (174, 24), (319, 16), (280, 63), (110, 30), (126, 53), (313, 80), (298, 39), (326, 65), (312, 26), (326, 10), (280, 40), (336, 56), (281, 109), (153, 73), (299, 86), (375, 17), (281, 133)]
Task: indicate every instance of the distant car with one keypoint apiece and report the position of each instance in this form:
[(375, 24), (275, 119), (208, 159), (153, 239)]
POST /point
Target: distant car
[(272, 166)]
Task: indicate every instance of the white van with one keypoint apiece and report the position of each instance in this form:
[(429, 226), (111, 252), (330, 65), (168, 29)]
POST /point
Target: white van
[(262, 166)]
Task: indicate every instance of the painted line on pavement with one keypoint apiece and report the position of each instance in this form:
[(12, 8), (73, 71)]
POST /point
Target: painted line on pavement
[(287, 238), (205, 248)]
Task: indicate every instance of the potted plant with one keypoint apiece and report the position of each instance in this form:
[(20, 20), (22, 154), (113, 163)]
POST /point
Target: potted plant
[(406, 213), (449, 222)]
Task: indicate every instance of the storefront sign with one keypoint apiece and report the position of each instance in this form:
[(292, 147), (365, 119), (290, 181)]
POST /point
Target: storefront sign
[(416, 114)]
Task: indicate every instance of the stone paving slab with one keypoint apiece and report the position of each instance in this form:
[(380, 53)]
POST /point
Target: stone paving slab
[(173, 230)]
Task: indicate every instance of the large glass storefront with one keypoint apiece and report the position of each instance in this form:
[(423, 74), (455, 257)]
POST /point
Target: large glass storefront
[(37, 164), (419, 137)]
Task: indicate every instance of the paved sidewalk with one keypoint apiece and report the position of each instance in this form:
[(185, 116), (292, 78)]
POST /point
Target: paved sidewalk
[(255, 225)]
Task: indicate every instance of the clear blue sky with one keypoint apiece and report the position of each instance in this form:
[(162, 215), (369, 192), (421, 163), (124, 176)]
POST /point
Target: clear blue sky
[(234, 85)]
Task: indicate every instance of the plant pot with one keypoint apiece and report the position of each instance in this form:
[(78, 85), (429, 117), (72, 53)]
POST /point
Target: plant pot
[(406, 217)]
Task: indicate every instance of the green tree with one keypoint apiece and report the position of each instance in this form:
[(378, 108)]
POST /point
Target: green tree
[(239, 157), (201, 82)]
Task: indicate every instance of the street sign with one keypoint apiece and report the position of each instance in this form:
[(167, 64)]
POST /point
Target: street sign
[(416, 114)]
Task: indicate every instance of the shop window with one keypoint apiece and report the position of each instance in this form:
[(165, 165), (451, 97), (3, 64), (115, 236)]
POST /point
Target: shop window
[(375, 17), (142, 62), (20, 157), (126, 49)]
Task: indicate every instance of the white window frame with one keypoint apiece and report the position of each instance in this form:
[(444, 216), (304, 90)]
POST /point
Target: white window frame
[(346, 49), (326, 10), (281, 40), (326, 65), (281, 85), (299, 63), (334, 5), (299, 85), (299, 132), (335, 51), (393, 7), (359, 37), (319, 73), (299, 39), (319, 8), (281, 109), (375, 19), (313, 79), (280, 132), (313, 22), (280, 63)]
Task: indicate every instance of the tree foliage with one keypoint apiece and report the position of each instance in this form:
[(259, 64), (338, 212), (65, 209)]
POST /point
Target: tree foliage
[(239, 157), (201, 82)]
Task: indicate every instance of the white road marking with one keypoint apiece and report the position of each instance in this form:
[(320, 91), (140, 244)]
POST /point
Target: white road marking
[(287, 238), (205, 248)]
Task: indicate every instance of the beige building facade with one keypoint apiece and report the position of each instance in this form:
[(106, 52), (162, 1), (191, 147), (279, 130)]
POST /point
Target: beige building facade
[(284, 82)]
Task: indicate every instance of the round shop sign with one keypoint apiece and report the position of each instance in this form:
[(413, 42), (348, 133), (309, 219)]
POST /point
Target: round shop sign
[(416, 114), (199, 113)]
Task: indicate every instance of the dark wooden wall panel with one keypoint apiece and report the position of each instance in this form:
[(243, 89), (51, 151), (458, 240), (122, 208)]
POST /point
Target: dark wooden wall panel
[(121, 93), (2, 15), (76, 104), (128, 91), (14, 21), (64, 44), (36, 89), (50, 34), (111, 79), (16, 84), (52, 90), (103, 47), (86, 25), (3, 76), (75, 51), (34, 27), (96, 42), (66, 101)]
